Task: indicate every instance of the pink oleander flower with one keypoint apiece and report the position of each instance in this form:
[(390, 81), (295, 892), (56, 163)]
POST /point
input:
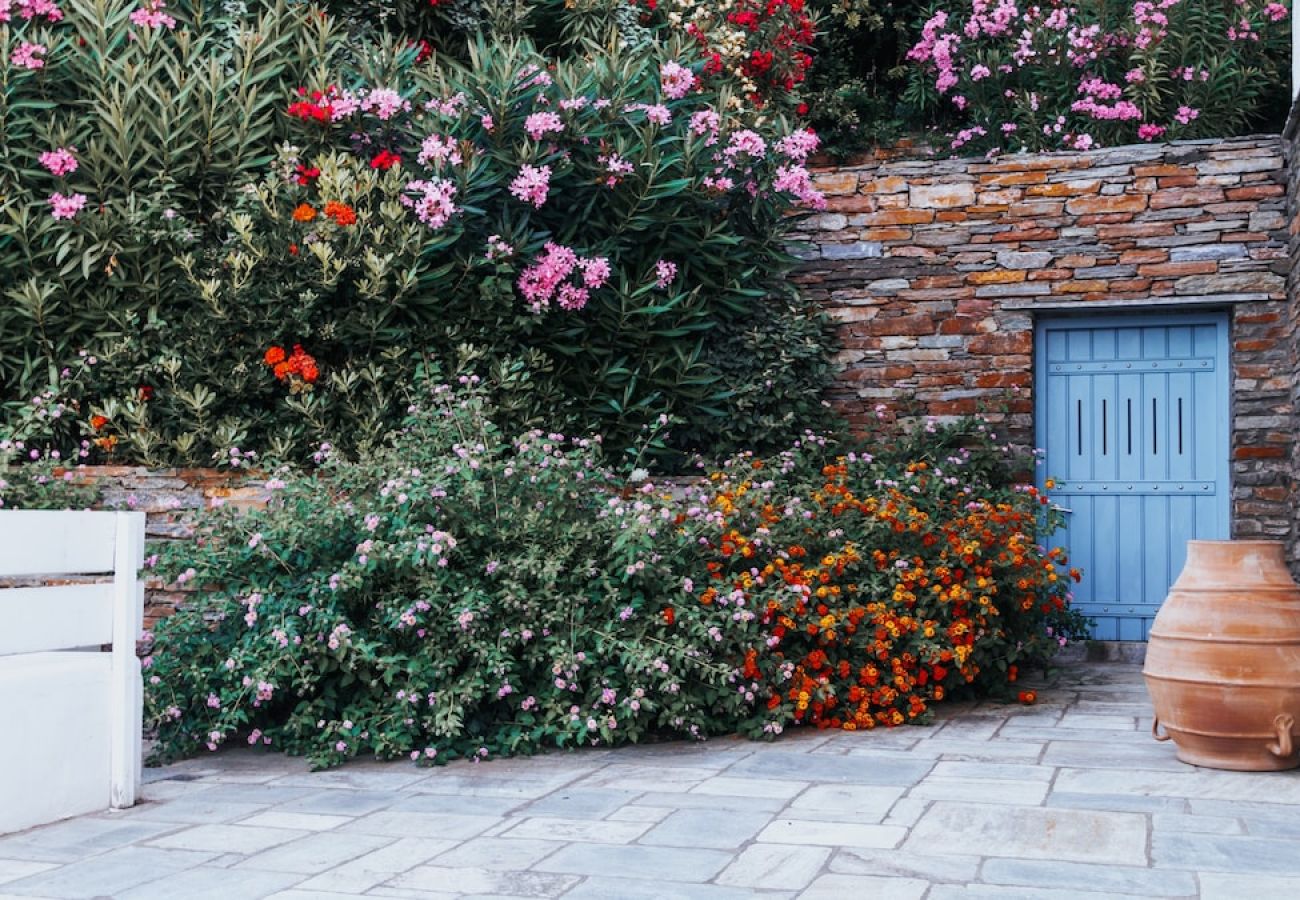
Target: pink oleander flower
[(487, 122), (747, 142), (31, 9), (706, 122), (385, 103), (439, 150), (59, 161), (532, 184), (432, 201), (798, 145), (980, 72), (1275, 12), (656, 114), (676, 80), (616, 168), (496, 249), (538, 125), (62, 207), (1150, 132), (595, 271), (149, 14), (665, 273), (795, 180), (1186, 114), (28, 55), (547, 279), (447, 106)]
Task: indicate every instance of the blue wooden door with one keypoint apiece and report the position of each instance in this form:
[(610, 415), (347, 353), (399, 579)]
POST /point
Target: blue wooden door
[(1133, 415)]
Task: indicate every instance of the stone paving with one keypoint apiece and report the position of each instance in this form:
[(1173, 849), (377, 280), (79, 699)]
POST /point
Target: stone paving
[(1067, 798)]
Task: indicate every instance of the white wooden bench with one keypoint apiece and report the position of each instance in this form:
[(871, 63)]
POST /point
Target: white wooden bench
[(70, 712)]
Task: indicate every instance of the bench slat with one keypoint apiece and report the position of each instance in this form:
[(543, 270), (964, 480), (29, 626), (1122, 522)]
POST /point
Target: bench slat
[(56, 542), (57, 617)]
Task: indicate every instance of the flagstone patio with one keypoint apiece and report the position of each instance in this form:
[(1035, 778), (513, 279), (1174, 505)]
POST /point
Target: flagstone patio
[(1067, 798)]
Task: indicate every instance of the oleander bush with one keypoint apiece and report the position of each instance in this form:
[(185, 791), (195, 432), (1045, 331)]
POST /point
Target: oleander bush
[(457, 593), (262, 223), (1007, 76)]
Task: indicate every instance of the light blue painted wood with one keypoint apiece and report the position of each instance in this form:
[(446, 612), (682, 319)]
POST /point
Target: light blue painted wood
[(1132, 412)]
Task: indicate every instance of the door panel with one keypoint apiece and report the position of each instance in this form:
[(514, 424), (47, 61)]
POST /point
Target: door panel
[(1133, 414)]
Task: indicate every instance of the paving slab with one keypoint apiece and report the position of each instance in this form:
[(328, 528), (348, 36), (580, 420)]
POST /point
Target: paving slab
[(838, 887), (717, 829), (1066, 800), (106, 875), (1034, 833), (1123, 880), (372, 869), (654, 863), (775, 866)]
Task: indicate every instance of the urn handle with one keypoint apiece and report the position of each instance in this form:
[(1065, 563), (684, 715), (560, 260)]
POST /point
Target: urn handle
[(1155, 730), (1282, 726)]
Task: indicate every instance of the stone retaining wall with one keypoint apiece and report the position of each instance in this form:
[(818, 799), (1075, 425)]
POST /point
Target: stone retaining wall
[(169, 497), (935, 269)]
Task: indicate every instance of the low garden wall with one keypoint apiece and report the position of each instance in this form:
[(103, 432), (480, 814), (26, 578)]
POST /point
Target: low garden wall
[(936, 269), (169, 497)]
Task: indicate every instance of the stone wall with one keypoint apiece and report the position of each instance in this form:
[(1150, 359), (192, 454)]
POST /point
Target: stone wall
[(169, 498), (936, 267)]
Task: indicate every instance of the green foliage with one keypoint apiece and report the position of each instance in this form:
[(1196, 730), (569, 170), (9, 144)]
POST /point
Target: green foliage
[(458, 594), (187, 264)]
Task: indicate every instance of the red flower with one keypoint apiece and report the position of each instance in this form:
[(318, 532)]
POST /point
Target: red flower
[(305, 175), (385, 160), (1027, 697), (98, 422), (273, 356), (146, 392)]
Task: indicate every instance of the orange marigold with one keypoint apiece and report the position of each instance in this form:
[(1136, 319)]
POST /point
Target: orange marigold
[(304, 212)]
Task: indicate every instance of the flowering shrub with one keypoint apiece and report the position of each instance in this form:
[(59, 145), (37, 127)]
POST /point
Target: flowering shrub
[(608, 223), (1013, 76), (884, 586), (601, 220), (457, 595), (463, 595)]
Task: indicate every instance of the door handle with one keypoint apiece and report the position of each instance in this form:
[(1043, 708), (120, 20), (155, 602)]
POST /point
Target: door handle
[(1063, 509)]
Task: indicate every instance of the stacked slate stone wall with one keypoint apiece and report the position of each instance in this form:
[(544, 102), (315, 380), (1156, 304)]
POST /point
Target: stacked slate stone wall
[(935, 269), (169, 498)]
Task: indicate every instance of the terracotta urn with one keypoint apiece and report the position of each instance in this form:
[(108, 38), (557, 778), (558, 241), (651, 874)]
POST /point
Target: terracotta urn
[(1223, 662)]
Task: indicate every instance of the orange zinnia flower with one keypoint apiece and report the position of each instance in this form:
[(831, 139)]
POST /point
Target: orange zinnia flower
[(274, 356), (98, 422), (304, 212)]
